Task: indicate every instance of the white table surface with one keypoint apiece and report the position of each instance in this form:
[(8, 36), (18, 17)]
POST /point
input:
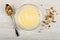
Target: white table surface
[(7, 29)]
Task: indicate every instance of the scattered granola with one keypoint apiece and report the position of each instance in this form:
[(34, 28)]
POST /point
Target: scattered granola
[(41, 4), (39, 31), (49, 17)]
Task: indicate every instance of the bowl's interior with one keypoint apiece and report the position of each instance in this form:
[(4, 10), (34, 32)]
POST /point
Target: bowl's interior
[(19, 14)]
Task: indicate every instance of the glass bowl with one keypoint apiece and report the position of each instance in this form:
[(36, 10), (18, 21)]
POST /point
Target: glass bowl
[(28, 6)]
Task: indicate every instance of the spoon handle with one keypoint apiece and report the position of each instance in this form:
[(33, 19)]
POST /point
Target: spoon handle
[(13, 19), (16, 32)]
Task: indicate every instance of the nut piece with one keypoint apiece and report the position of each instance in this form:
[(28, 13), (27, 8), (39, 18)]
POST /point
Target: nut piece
[(52, 11), (9, 10)]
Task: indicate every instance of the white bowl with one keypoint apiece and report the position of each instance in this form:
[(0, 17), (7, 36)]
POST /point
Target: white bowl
[(28, 5)]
